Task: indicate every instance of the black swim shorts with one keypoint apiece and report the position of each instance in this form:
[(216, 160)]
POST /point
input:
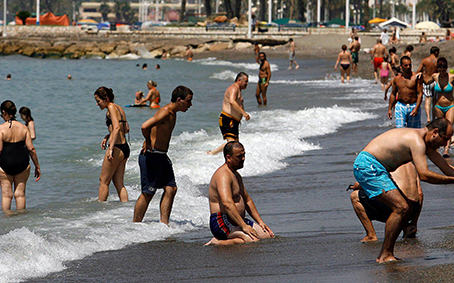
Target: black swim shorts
[(155, 172), (229, 126)]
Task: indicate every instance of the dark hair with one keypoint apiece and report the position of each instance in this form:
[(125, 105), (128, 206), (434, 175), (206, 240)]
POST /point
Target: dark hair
[(442, 62), (344, 47), (27, 113), (441, 124), (290, 39), (409, 48), (241, 75), (396, 69), (104, 93), (263, 54), (434, 49), (404, 58), (228, 148), (181, 92), (393, 50), (356, 38), (9, 107), (385, 58)]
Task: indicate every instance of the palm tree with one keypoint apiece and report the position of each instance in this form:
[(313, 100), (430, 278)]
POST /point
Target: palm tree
[(208, 7), (182, 11), (104, 9), (23, 15), (228, 9)]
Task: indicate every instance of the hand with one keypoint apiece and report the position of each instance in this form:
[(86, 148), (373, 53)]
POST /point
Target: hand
[(266, 85), (267, 229), (248, 230), (386, 97), (110, 157), (247, 116), (104, 143), (145, 147), (37, 174), (414, 112), (390, 114)]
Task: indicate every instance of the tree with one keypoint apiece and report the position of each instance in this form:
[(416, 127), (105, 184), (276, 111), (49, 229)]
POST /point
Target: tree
[(182, 11), (104, 9), (124, 12), (23, 15), (237, 9), (228, 9), (208, 7)]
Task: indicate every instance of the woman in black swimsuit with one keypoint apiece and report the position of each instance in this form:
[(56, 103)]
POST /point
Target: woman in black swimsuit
[(15, 148), (345, 60), (113, 166)]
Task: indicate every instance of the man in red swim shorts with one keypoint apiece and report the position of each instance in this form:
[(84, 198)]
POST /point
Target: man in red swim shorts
[(377, 54)]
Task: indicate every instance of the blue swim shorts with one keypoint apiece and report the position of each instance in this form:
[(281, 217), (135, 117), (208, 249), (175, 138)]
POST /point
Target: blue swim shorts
[(155, 172), (221, 227), (403, 117), (372, 175)]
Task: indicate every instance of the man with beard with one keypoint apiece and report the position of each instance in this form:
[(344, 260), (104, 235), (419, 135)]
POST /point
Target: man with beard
[(264, 79)]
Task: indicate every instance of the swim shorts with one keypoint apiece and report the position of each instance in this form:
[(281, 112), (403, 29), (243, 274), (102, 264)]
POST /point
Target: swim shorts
[(372, 175), (229, 126), (262, 81), (155, 171), (355, 57), (428, 90), (377, 62), (403, 117), (291, 56), (376, 210), (221, 227)]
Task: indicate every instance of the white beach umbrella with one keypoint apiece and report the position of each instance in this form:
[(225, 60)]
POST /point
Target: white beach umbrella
[(427, 25)]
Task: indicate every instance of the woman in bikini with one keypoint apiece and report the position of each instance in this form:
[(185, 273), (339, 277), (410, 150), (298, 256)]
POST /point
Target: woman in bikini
[(15, 148), (114, 164), (444, 100), (385, 68), (153, 95), (345, 59), (26, 115)]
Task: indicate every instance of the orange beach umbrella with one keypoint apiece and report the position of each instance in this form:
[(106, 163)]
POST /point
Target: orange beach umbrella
[(376, 21)]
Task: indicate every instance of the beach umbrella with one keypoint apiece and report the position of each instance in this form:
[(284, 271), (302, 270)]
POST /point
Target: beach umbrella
[(427, 25), (376, 21), (87, 21)]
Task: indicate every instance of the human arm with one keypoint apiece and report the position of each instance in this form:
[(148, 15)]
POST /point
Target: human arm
[(253, 212), (148, 125), (147, 98), (337, 62), (392, 100), (115, 130), (387, 88), (233, 94), (33, 155), (419, 98), (104, 141), (418, 152), (268, 74), (31, 128)]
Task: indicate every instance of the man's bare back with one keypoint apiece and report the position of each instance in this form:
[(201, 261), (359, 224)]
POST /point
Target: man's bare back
[(355, 46), (379, 50)]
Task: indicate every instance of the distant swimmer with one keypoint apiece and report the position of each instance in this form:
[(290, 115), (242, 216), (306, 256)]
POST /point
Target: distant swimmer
[(153, 95), (139, 98), (345, 60), (355, 47), (158, 67), (256, 52), (26, 115), (389, 151), (377, 53), (291, 56), (8, 77), (189, 55), (69, 77), (264, 79), (407, 180), (155, 166), (428, 67), (407, 103), (15, 148), (144, 66), (229, 202), (114, 163), (232, 111)]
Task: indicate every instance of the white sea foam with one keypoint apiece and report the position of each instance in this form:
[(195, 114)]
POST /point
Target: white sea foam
[(247, 66)]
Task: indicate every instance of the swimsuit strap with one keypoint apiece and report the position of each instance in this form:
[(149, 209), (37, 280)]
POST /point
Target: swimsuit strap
[(10, 121)]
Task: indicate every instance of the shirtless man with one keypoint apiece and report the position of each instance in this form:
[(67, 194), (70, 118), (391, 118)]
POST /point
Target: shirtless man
[(428, 67), (264, 79), (256, 52), (367, 209), (155, 167), (409, 87), (291, 56), (385, 154), (355, 46), (232, 111), (377, 53), (153, 95), (229, 202), (189, 54)]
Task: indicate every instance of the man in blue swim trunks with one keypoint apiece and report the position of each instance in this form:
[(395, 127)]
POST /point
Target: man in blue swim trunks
[(407, 91), (385, 154), (155, 167), (229, 202)]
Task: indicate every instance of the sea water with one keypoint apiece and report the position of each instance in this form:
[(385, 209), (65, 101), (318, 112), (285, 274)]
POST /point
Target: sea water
[(63, 220)]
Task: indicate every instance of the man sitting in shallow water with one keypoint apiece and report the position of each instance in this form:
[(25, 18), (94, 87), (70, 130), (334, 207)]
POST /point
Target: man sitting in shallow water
[(229, 202)]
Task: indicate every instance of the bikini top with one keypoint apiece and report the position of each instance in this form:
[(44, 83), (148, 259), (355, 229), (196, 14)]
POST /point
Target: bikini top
[(448, 88), (109, 121)]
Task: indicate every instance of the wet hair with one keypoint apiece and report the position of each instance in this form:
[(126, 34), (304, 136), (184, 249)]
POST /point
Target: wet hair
[(241, 75), (409, 48), (8, 76), (152, 83), (404, 58), (356, 38), (442, 62), (263, 54), (181, 92), (290, 39), (344, 47), (145, 65), (9, 107), (104, 93), (228, 148), (392, 50), (441, 124), (434, 50), (27, 114)]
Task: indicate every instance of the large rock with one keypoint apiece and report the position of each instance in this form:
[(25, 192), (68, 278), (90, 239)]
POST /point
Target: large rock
[(178, 50), (219, 46), (201, 48), (95, 54), (28, 50), (107, 47), (122, 49), (10, 49), (243, 45), (156, 53)]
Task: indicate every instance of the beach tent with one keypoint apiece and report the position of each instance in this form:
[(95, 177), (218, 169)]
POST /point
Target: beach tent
[(377, 21), (87, 22), (48, 19), (393, 22), (427, 25), (285, 21)]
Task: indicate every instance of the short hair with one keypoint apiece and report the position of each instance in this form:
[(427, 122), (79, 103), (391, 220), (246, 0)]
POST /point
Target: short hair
[(393, 50), (240, 76), (404, 58), (104, 93), (344, 47), (27, 113), (228, 148), (442, 62), (9, 107), (409, 48), (181, 92), (290, 39), (434, 50), (378, 40), (356, 38), (441, 124)]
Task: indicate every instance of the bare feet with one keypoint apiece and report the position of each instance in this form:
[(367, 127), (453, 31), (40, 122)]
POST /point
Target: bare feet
[(209, 152), (369, 239), (410, 231), (389, 258), (213, 241), (297, 66)]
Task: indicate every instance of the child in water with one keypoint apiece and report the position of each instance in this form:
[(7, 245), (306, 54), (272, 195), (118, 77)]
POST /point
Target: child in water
[(385, 67)]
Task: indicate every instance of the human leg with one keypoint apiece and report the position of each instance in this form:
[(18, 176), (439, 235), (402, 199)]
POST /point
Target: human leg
[(450, 116), (371, 236), (118, 180), (141, 206), (6, 182), (427, 107), (257, 94), (20, 181), (342, 75), (399, 206), (107, 172), (263, 90), (348, 74), (167, 202)]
